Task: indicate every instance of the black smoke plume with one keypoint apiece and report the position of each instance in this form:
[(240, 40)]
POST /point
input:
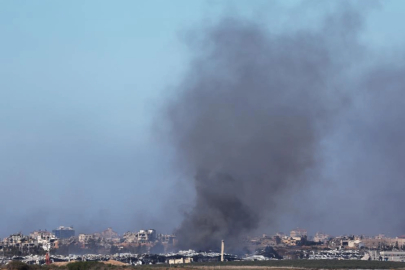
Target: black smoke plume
[(251, 115)]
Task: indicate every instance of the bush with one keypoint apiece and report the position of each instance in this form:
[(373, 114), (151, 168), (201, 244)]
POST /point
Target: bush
[(86, 266), (17, 265)]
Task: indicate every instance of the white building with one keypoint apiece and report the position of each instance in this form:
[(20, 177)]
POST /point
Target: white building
[(44, 239), (395, 256), (144, 236), (355, 244)]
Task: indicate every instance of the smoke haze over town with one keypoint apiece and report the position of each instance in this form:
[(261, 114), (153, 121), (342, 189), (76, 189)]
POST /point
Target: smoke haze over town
[(209, 119)]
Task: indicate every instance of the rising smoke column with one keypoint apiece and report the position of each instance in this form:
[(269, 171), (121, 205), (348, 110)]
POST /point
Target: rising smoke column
[(249, 117)]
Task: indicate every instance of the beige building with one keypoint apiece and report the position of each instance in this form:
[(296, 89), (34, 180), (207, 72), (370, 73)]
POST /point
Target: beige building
[(376, 243), (290, 241), (298, 233), (130, 237), (321, 237), (84, 238), (180, 261), (14, 240), (109, 234)]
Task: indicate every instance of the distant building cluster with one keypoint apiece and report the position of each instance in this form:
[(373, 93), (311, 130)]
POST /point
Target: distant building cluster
[(63, 240), (297, 244), (37, 240)]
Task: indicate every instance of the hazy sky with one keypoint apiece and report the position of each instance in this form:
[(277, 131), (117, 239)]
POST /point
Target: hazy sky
[(81, 83)]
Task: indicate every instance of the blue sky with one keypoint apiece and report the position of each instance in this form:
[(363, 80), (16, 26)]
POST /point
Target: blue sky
[(81, 83)]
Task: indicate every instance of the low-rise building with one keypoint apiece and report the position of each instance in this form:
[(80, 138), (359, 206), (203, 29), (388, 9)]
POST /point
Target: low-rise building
[(130, 237), (321, 237), (355, 244), (291, 241), (109, 234), (84, 238), (298, 233), (180, 260), (44, 239), (144, 236), (395, 256)]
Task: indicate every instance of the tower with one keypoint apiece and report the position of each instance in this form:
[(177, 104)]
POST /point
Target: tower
[(222, 250)]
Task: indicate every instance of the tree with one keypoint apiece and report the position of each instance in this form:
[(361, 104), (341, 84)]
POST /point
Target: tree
[(17, 265)]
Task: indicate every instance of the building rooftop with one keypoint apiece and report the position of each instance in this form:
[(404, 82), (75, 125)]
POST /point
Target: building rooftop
[(65, 228)]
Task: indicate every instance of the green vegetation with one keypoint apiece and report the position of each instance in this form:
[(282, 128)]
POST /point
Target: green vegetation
[(17, 265), (87, 266), (311, 264)]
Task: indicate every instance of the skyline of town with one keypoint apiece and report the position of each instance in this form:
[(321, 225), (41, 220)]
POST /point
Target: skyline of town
[(258, 232), (149, 246)]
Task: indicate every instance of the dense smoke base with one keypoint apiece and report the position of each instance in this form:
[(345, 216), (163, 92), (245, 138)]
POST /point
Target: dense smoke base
[(219, 213), (249, 119)]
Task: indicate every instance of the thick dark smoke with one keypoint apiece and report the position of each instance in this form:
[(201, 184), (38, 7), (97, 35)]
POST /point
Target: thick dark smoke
[(249, 119)]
